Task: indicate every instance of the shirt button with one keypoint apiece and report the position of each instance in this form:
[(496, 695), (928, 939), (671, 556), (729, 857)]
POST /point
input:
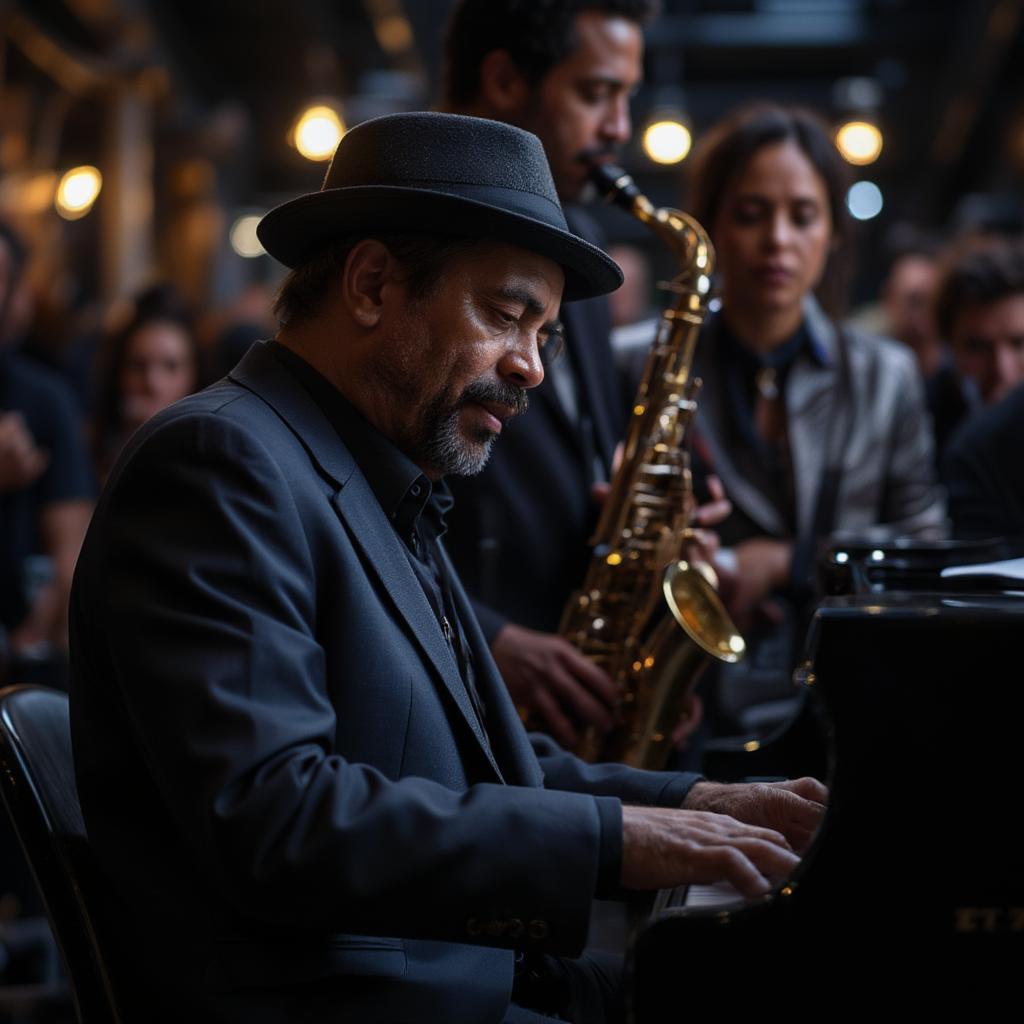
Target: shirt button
[(415, 490), (538, 929)]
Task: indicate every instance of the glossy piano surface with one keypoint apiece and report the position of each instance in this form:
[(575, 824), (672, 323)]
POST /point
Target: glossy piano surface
[(921, 697), (865, 568)]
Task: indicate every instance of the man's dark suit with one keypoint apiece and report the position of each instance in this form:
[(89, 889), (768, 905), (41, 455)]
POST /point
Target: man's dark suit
[(518, 534), (277, 757), (984, 472)]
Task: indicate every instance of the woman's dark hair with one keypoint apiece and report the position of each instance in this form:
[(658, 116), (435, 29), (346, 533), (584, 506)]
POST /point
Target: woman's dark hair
[(537, 34), (979, 271), (158, 304), (728, 148)]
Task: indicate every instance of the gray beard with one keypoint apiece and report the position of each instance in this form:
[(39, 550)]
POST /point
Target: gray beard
[(449, 452), (443, 445), (436, 440)]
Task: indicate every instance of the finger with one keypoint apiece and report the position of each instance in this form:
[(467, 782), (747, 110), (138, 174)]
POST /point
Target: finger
[(713, 827), (11, 421), (35, 461), (770, 859), (801, 841), (741, 830), (728, 864), (715, 488), (551, 714), (795, 814), (712, 513), (592, 676), (617, 457), (599, 492), (573, 696), (807, 787), (703, 545), (20, 443)]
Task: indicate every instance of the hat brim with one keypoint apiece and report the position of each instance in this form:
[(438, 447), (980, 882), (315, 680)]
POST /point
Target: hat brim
[(291, 233)]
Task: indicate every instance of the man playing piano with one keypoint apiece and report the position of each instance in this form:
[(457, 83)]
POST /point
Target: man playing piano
[(307, 790)]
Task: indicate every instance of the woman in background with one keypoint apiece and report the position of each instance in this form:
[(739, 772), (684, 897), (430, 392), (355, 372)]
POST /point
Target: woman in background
[(813, 429), (152, 361)]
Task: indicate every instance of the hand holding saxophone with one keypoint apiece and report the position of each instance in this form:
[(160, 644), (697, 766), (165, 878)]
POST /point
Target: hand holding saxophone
[(759, 567), (553, 683)]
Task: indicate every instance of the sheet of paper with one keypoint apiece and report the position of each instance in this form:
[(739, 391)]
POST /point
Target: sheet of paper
[(1011, 568)]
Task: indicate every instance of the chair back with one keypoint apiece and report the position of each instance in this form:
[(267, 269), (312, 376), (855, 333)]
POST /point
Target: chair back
[(37, 780)]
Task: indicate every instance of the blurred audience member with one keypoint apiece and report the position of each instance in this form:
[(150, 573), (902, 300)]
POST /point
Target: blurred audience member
[(152, 361), (984, 472), (908, 294), (232, 343), (812, 429), (46, 491), (226, 334), (979, 309)]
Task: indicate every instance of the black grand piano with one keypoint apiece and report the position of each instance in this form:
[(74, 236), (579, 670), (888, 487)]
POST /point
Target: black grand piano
[(913, 711)]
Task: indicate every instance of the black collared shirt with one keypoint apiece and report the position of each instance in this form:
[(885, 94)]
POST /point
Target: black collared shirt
[(417, 511), (766, 465), (415, 506)]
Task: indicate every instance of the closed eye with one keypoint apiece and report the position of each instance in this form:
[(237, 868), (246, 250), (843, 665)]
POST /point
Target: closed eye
[(552, 341)]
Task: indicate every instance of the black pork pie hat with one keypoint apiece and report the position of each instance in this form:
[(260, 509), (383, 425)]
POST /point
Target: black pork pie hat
[(445, 174)]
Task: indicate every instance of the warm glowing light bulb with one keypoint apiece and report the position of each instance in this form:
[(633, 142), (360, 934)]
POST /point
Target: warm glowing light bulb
[(667, 142), (859, 142), (77, 192), (243, 237), (318, 132)]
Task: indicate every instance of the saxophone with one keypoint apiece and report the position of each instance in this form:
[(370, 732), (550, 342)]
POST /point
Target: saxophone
[(649, 618)]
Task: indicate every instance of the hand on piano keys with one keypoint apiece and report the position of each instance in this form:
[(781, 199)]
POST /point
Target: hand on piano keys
[(793, 808), (664, 848)]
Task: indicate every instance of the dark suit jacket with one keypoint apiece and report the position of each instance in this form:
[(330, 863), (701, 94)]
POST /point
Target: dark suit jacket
[(519, 531), (984, 472), (294, 809)]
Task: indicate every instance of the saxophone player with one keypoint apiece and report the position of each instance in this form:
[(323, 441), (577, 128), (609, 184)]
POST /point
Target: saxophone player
[(519, 531)]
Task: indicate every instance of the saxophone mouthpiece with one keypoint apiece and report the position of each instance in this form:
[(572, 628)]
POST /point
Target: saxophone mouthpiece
[(615, 185)]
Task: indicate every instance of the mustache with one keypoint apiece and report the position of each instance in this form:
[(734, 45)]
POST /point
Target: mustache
[(594, 154), (498, 393)]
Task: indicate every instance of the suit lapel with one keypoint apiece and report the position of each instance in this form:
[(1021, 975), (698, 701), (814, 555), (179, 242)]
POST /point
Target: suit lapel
[(360, 510), (811, 406), (590, 373), (508, 737), (357, 505), (586, 324)]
